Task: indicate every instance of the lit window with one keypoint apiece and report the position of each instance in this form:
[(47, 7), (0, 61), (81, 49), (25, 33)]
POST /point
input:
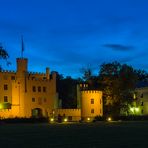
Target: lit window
[(44, 89), (34, 89), (39, 89), (92, 111), (5, 99), (134, 96), (92, 101), (33, 99), (5, 87)]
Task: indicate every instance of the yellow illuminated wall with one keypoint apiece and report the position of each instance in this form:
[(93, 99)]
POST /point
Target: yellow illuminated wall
[(19, 92), (91, 104), (70, 114), (34, 94), (142, 100)]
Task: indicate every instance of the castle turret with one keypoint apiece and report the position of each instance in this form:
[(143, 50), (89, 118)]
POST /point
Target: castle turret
[(80, 87), (47, 73), (91, 104), (22, 65), (21, 84)]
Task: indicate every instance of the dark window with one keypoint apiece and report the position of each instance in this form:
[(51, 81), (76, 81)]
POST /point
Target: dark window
[(40, 101), (100, 111), (44, 89), (44, 78), (92, 111), (12, 77), (39, 89), (34, 89), (45, 100), (69, 118), (5, 99), (33, 78), (141, 95), (92, 101), (33, 99), (141, 103), (100, 101), (5, 87)]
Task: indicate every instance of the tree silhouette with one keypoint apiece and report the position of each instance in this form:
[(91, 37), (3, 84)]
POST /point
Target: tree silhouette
[(3, 55), (118, 84)]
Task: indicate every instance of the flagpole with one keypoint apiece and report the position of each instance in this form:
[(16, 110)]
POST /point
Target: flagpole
[(22, 50)]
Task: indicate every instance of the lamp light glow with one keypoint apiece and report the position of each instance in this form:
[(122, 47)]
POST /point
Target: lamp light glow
[(132, 109), (88, 119), (65, 120), (136, 109), (109, 119), (51, 119)]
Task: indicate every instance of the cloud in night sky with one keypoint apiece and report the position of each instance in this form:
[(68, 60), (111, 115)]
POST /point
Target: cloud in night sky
[(66, 35), (118, 47)]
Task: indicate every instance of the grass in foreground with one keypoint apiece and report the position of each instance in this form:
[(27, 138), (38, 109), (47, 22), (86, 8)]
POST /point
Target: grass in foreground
[(90, 135)]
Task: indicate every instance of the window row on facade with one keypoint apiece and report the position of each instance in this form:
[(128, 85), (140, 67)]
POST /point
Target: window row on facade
[(34, 88), (39, 89), (6, 77), (13, 77), (93, 111), (39, 100), (92, 101)]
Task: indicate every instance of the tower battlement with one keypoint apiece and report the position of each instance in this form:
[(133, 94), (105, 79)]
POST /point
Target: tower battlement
[(37, 73), (91, 91), (8, 72)]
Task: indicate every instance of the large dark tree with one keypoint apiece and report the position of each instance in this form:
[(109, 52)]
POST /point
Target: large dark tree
[(118, 83)]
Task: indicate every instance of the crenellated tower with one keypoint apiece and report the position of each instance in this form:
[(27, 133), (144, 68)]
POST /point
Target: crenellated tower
[(89, 101), (91, 104), (22, 65)]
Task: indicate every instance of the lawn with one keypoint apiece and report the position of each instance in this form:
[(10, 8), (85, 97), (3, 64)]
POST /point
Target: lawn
[(90, 135)]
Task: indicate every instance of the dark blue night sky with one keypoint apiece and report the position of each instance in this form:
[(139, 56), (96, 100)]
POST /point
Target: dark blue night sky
[(66, 35)]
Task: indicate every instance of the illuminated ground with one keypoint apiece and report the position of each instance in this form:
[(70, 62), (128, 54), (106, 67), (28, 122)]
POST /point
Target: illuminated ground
[(94, 135)]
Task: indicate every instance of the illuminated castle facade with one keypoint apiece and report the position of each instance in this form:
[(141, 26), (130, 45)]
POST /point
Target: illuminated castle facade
[(25, 94)]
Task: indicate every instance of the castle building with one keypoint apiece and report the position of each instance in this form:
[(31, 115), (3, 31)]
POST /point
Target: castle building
[(89, 105), (139, 104), (142, 99), (26, 94)]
